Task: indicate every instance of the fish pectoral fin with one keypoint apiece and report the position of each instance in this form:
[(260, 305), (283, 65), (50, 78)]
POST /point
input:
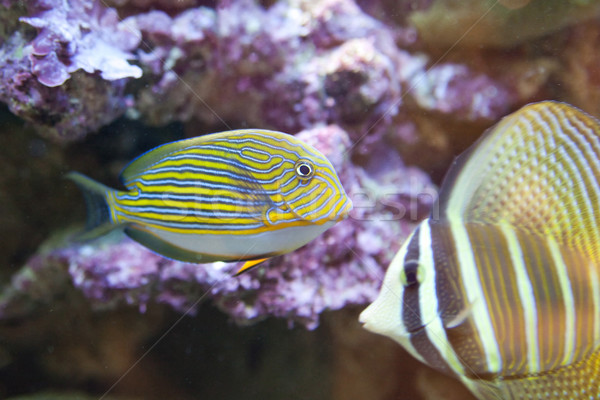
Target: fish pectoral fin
[(249, 265), (461, 317)]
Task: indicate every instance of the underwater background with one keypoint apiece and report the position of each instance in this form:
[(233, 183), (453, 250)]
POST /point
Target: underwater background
[(390, 91)]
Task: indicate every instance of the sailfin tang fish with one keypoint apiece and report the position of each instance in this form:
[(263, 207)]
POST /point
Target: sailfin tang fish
[(502, 287), (228, 196)]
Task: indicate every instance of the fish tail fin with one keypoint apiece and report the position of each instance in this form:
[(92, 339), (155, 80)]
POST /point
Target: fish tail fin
[(95, 194)]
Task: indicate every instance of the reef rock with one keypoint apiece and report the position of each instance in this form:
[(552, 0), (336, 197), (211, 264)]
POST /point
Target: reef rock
[(40, 74)]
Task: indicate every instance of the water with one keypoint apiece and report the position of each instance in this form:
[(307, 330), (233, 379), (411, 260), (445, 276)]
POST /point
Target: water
[(389, 91)]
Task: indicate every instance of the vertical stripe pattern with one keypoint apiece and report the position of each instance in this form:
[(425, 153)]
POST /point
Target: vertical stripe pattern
[(536, 308), (515, 261)]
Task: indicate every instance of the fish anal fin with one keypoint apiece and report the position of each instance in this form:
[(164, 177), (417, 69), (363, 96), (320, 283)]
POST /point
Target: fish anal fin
[(249, 265)]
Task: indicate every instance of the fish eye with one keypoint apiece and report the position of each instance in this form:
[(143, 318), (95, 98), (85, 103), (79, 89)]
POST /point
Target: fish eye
[(412, 275), (304, 169)]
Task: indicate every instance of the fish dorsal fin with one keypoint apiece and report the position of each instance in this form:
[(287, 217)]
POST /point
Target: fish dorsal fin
[(145, 161), (537, 169), (213, 153)]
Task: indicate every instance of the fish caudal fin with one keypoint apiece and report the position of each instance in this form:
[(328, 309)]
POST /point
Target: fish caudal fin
[(95, 194)]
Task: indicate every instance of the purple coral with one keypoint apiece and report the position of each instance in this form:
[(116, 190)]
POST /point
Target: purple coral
[(49, 78), (80, 35), (288, 67), (455, 89)]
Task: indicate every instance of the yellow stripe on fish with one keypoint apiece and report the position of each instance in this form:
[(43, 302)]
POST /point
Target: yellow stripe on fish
[(229, 196), (503, 289)]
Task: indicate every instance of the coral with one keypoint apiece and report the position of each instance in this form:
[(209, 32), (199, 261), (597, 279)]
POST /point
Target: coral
[(72, 36), (79, 35), (63, 113), (341, 267), (455, 90), (290, 66), (349, 84), (297, 68)]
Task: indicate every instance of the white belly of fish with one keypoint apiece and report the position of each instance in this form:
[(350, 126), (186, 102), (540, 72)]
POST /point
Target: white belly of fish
[(244, 246)]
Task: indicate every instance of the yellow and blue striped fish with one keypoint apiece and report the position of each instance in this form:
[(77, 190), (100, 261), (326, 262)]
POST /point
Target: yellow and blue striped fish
[(228, 196), (500, 287)]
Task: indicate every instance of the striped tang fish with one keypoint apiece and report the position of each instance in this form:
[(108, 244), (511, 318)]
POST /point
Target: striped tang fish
[(228, 196), (500, 286)]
